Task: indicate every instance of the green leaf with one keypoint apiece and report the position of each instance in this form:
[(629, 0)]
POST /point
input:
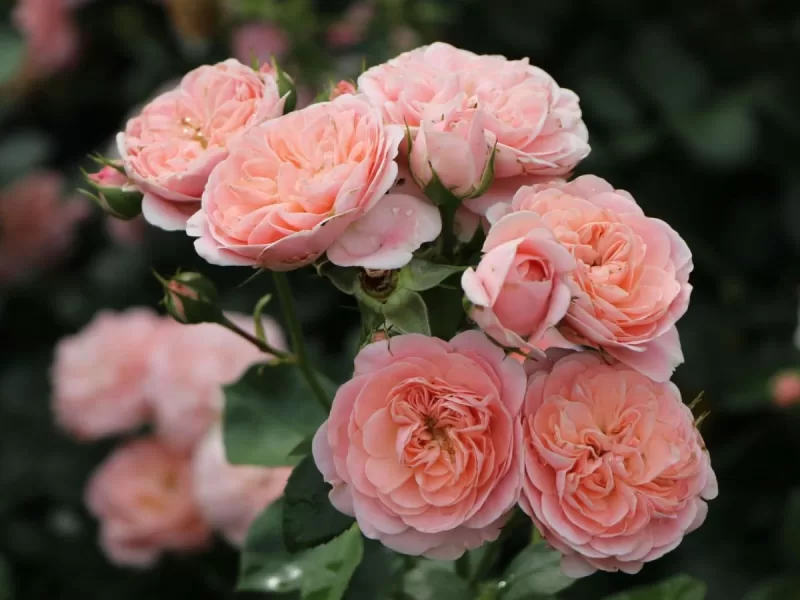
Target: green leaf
[(420, 275), (407, 312), (783, 588), (309, 518), (373, 577), (343, 278), (268, 413), (286, 88), (534, 573), (332, 565), (431, 580), (680, 587), (12, 53), (724, 135)]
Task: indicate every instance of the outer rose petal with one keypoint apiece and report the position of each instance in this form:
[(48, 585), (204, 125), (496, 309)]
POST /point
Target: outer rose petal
[(169, 216), (387, 236)]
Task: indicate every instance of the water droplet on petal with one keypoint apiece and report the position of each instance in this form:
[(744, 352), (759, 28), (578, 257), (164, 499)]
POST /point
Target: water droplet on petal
[(395, 210), (409, 212)]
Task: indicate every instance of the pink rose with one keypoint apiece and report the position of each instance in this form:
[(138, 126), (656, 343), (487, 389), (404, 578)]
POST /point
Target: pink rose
[(108, 177), (519, 289), (232, 496), (37, 225), (537, 125), (616, 472), (632, 280), (292, 186), (456, 150), (51, 34), (342, 88), (98, 374), (142, 495), (785, 388), (260, 42), (170, 149), (422, 446), (188, 369)]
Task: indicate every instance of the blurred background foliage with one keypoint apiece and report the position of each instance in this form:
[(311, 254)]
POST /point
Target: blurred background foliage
[(691, 106)]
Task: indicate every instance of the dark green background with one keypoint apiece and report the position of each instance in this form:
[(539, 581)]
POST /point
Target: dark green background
[(691, 106)]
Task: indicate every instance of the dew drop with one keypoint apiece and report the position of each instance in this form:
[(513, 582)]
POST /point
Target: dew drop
[(409, 212), (395, 210)]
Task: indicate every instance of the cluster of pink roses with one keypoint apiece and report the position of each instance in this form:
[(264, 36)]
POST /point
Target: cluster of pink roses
[(168, 489), (432, 443)]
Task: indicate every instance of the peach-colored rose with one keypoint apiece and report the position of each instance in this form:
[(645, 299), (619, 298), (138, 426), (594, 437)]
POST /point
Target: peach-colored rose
[(188, 369), (785, 387), (632, 280), (51, 34), (142, 495), (292, 186), (232, 496), (37, 225), (422, 446), (536, 124), (98, 374), (170, 149), (519, 289), (616, 472), (261, 42)]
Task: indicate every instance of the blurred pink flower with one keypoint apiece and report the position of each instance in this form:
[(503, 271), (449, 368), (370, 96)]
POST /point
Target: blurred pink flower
[(37, 225), (232, 496), (259, 41), (786, 388), (142, 495), (350, 29), (129, 233), (98, 374), (187, 370), (51, 34)]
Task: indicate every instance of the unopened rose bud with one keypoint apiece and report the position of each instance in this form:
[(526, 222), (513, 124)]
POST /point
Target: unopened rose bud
[(343, 88), (191, 298), (115, 194), (456, 150)]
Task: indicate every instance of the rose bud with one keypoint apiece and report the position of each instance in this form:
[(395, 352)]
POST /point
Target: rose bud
[(342, 88), (191, 298), (116, 194), (457, 151)]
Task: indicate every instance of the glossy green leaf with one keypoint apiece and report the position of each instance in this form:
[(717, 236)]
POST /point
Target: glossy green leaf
[(534, 573), (680, 587), (268, 413), (309, 518), (407, 312), (421, 275)]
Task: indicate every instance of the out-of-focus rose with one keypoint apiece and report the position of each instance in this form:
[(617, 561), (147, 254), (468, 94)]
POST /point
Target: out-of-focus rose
[(188, 369), (785, 387), (616, 472), (51, 34), (142, 494), (232, 496), (37, 225), (99, 374), (261, 42), (423, 445), (292, 186), (631, 283), (170, 149), (353, 25), (519, 289), (342, 88), (128, 233), (536, 124), (457, 150)]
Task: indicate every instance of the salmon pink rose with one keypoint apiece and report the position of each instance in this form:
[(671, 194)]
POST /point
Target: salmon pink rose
[(142, 495), (536, 124), (292, 187), (98, 375), (631, 283), (232, 496), (171, 147), (616, 472), (423, 445), (519, 289)]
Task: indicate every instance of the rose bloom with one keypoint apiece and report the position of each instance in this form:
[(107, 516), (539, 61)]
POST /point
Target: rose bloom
[(232, 496), (422, 446), (98, 374), (260, 42), (187, 370), (536, 124), (785, 387), (171, 147), (292, 186), (142, 495), (631, 283), (519, 289), (616, 472), (51, 34), (37, 225)]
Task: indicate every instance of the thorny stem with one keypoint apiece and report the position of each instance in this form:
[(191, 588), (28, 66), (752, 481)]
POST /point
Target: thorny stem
[(284, 357)]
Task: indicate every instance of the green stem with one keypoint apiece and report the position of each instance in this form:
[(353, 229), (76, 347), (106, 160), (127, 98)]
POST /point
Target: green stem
[(486, 563), (298, 343), (261, 344), (462, 566)]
